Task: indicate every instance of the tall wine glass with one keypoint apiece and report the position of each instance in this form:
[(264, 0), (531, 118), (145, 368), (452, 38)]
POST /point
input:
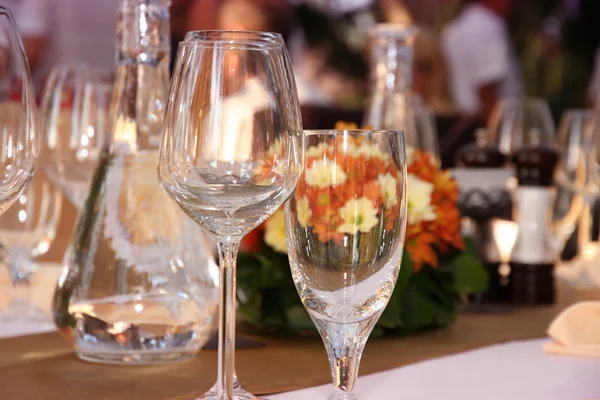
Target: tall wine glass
[(515, 123), (575, 189), (18, 114), (27, 229), (345, 227), (231, 152), (75, 107)]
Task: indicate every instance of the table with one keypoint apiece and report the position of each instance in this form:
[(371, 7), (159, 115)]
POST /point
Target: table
[(43, 367)]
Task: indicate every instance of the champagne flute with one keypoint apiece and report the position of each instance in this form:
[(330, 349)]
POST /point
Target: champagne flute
[(75, 107), (345, 226), (18, 114), (231, 152)]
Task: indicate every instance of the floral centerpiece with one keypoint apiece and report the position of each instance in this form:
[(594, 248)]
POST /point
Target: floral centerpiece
[(439, 267)]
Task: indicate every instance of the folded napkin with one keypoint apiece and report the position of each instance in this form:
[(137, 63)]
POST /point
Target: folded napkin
[(576, 331)]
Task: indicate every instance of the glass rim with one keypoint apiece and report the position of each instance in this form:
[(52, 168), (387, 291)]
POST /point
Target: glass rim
[(395, 31), (314, 132), (209, 38)]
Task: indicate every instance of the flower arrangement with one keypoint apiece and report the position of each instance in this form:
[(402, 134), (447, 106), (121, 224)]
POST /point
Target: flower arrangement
[(439, 267)]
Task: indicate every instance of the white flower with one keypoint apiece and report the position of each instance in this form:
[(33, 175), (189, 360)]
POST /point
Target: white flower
[(419, 200), (324, 173), (275, 232), (277, 147), (369, 149), (348, 148), (389, 189), (304, 212), (318, 150), (359, 215)]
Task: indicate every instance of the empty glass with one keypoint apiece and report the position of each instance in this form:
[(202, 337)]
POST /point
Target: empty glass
[(231, 152), (18, 114), (575, 189), (515, 123), (345, 226), (27, 230), (75, 106)]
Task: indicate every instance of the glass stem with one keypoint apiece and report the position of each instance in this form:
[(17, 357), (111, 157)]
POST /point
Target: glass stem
[(227, 307), (21, 268), (345, 344)]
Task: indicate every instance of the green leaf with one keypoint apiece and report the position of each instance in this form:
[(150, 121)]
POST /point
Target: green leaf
[(391, 317), (428, 303), (469, 275), (471, 246)]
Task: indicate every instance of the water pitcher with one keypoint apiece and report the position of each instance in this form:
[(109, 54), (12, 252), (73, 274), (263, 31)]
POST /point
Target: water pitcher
[(139, 282)]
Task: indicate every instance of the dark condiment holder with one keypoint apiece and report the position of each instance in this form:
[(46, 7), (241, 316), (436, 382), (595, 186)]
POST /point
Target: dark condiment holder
[(484, 197)]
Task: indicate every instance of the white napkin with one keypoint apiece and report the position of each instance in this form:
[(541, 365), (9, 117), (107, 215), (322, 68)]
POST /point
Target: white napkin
[(576, 331)]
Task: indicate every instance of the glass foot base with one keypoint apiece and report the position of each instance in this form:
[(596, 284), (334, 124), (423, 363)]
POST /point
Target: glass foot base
[(339, 395), (239, 393), (146, 358), (23, 311)]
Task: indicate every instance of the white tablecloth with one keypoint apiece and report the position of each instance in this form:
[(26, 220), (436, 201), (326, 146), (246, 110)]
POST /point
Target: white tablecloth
[(511, 371)]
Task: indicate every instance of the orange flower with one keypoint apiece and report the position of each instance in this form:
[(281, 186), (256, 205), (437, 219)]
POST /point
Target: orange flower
[(421, 250), (349, 167)]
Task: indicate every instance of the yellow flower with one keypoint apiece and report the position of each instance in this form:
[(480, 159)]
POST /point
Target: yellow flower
[(389, 189), (324, 173), (275, 232), (419, 200), (304, 211), (358, 215)]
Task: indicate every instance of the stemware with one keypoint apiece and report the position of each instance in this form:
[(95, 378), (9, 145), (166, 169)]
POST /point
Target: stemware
[(18, 114), (515, 123), (27, 230), (231, 152), (345, 226), (575, 189), (75, 107)]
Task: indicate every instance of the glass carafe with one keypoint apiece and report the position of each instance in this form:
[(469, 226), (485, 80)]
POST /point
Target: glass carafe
[(139, 284), (391, 104)]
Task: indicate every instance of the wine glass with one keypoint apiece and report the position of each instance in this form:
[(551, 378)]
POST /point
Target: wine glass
[(75, 107), (18, 114), (231, 152), (27, 230), (575, 189), (515, 123), (345, 227)]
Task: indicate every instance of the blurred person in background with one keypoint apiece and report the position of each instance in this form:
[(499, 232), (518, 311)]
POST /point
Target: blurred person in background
[(66, 32), (271, 16), (480, 56)]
